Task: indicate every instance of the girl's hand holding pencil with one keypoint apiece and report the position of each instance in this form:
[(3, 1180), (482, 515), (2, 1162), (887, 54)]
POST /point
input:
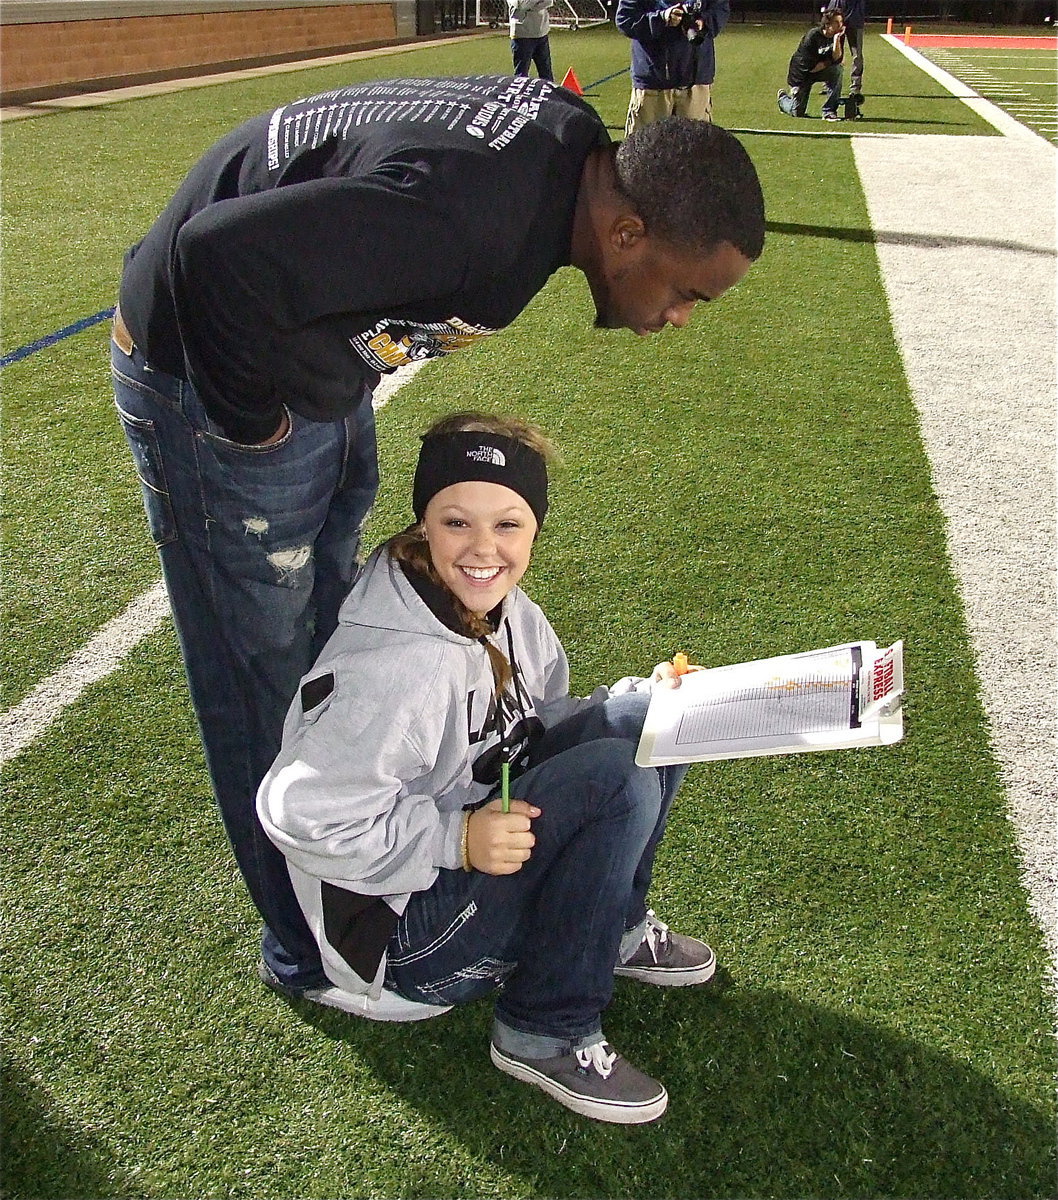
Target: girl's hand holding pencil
[(499, 842)]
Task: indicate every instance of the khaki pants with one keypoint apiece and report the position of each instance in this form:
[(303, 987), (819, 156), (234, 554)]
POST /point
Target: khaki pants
[(644, 107)]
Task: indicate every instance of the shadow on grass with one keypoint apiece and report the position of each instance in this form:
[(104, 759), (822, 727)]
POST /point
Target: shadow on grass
[(769, 1097), (42, 1160), (930, 241)]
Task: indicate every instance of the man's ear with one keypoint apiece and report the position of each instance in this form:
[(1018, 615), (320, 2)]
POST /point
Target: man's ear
[(627, 231)]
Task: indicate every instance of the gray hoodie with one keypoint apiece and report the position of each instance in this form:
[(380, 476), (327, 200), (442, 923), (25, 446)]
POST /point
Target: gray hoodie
[(367, 794), (529, 18)]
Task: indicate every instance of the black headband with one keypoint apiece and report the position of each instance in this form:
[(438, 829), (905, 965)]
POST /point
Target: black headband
[(447, 458)]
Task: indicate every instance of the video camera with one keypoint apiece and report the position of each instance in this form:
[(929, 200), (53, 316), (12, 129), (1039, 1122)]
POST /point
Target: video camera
[(692, 14)]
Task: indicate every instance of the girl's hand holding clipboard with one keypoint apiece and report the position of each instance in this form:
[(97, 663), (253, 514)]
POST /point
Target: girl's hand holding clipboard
[(667, 674)]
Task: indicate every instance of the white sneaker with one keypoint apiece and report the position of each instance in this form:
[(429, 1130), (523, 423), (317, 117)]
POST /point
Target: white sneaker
[(388, 1007)]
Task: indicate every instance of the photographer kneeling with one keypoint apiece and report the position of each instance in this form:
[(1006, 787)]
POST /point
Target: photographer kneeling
[(817, 58), (673, 59)]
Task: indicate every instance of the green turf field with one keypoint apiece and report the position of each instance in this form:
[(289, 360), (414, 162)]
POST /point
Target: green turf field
[(880, 1024)]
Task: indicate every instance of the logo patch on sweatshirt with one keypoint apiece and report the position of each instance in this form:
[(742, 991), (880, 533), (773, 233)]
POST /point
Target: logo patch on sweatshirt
[(488, 454)]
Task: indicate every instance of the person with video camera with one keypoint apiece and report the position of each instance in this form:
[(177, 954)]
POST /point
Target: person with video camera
[(673, 58), (854, 13), (817, 59)]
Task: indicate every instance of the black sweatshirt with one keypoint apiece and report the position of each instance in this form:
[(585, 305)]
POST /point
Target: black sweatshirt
[(815, 47), (344, 235)]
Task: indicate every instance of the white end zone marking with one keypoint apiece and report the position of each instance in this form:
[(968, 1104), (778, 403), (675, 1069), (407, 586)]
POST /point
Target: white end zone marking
[(990, 112)]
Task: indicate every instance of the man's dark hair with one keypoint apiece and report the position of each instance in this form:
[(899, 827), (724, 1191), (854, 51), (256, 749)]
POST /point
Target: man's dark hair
[(693, 184)]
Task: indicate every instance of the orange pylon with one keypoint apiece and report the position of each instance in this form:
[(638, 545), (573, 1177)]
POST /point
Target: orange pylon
[(570, 81)]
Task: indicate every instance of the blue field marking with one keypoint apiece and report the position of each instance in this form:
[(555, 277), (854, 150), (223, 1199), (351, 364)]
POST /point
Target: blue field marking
[(52, 338), (607, 78)]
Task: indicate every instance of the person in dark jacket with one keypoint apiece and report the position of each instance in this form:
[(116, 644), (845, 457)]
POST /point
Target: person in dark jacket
[(309, 252), (817, 58), (673, 57), (855, 15)]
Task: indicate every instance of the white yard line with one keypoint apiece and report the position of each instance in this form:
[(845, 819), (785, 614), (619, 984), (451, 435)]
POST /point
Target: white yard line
[(21, 725), (965, 231)]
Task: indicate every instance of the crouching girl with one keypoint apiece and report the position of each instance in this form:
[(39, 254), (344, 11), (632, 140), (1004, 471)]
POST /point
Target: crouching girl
[(421, 888)]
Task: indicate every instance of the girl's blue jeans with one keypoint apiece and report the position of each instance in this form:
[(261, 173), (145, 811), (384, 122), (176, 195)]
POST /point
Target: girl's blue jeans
[(258, 548), (549, 934)]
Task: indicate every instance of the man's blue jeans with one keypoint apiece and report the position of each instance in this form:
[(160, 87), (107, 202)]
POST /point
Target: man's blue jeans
[(527, 50), (550, 933), (258, 548), (795, 104), (854, 43)]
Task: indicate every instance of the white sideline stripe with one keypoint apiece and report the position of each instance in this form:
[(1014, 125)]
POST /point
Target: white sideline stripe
[(992, 113), (985, 308), (105, 652), (971, 289), (390, 385)]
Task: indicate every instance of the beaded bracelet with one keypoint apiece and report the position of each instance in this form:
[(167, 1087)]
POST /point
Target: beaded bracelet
[(464, 846)]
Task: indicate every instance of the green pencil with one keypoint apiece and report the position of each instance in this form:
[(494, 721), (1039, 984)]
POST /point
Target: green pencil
[(505, 786)]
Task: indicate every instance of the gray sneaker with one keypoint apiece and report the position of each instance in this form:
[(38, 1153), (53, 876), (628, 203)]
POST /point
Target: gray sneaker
[(668, 959), (595, 1082)]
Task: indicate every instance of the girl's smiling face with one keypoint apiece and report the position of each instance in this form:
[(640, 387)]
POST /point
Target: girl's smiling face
[(481, 539)]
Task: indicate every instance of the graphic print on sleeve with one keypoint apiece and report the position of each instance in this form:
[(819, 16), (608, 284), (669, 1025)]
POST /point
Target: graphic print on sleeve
[(495, 119), (385, 347)]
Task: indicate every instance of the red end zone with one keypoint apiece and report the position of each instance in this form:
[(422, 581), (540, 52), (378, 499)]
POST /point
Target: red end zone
[(973, 42)]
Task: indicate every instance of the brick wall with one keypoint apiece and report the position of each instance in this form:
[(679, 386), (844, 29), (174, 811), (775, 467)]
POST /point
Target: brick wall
[(46, 58)]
